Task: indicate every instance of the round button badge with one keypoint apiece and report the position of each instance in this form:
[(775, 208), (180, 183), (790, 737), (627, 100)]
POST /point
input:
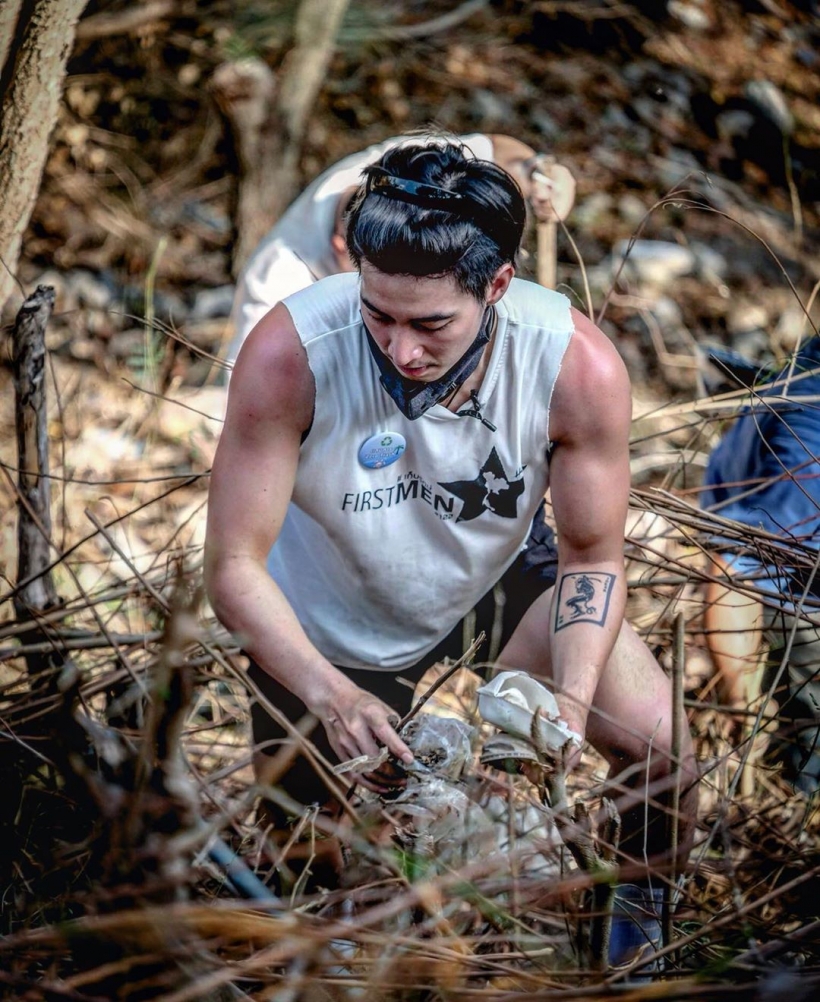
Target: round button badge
[(381, 449)]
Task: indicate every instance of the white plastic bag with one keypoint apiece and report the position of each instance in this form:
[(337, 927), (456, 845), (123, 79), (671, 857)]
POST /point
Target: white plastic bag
[(511, 701)]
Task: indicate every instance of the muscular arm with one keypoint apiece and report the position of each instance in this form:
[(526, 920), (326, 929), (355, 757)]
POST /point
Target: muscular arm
[(269, 407), (589, 486), (569, 632)]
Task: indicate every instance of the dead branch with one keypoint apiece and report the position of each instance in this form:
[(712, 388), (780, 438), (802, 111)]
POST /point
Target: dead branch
[(317, 25), (244, 91), (444, 22), (34, 520)]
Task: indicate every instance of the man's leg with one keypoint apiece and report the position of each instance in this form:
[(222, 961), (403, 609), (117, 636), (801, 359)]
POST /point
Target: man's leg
[(797, 693), (630, 724), (300, 780), (733, 622)]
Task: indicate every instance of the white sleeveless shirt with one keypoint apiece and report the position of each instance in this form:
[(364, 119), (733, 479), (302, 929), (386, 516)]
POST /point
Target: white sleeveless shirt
[(380, 564)]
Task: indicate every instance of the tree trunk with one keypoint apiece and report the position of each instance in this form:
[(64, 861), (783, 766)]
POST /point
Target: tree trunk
[(36, 54), (269, 121), (9, 12)]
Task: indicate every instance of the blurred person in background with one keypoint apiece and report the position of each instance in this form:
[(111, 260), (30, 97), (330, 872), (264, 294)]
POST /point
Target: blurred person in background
[(763, 612)]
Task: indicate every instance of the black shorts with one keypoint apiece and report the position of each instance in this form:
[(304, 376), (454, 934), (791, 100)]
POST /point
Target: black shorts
[(532, 573)]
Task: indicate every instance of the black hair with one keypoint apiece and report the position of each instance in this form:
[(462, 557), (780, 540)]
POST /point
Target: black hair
[(429, 208)]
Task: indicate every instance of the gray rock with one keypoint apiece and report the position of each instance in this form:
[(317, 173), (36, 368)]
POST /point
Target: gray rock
[(545, 123), (744, 317), (752, 344), (632, 209), (489, 107), (733, 123), (667, 312), (90, 290), (674, 170), (84, 349), (807, 56), (790, 330), (127, 345), (655, 263), (213, 303), (711, 264), (614, 117), (207, 215), (169, 306), (594, 210), (771, 102), (691, 14), (599, 278)]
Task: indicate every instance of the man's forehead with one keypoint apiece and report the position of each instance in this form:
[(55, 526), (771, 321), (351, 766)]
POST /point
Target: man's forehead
[(409, 298), (388, 309)]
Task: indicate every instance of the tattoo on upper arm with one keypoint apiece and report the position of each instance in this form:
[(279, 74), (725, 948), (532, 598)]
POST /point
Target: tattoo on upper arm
[(583, 598)]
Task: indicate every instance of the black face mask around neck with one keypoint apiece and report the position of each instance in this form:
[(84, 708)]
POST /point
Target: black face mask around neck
[(414, 398)]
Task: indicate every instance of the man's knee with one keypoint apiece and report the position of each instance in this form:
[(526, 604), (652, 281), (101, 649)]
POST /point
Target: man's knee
[(642, 741)]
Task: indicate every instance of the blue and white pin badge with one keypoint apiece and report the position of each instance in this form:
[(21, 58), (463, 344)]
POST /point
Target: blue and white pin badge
[(381, 449)]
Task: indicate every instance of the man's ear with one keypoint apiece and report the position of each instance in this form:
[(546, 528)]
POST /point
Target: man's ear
[(339, 245), (499, 283)]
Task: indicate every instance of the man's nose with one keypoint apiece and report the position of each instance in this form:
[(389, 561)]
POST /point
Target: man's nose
[(404, 347)]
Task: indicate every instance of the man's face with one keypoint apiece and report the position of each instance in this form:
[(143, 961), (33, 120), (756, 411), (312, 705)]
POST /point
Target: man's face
[(423, 325)]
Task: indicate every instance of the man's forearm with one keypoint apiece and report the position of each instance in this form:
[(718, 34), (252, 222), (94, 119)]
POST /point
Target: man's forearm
[(587, 612), (251, 605)]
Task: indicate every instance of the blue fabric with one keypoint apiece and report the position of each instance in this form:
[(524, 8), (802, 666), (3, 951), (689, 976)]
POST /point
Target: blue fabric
[(777, 441), (636, 928)]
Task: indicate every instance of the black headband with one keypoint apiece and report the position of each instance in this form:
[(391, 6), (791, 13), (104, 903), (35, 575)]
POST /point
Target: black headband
[(430, 196)]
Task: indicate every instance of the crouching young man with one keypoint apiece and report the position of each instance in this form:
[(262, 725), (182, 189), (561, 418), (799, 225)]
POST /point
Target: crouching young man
[(389, 439)]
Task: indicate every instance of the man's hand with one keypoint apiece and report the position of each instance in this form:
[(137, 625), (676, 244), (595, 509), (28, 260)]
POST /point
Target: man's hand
[(548, 186), (360, 724), (550, 189)]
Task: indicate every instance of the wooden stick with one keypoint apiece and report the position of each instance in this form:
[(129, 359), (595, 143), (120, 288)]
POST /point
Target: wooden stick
[(465, 659), (38, 593), (547, 256), (678, 666)]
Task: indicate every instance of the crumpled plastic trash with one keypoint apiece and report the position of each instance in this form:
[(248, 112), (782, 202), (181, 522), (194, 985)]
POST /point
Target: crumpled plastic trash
[(511, 701), (435, 817), (439, 819), (442, 745)]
